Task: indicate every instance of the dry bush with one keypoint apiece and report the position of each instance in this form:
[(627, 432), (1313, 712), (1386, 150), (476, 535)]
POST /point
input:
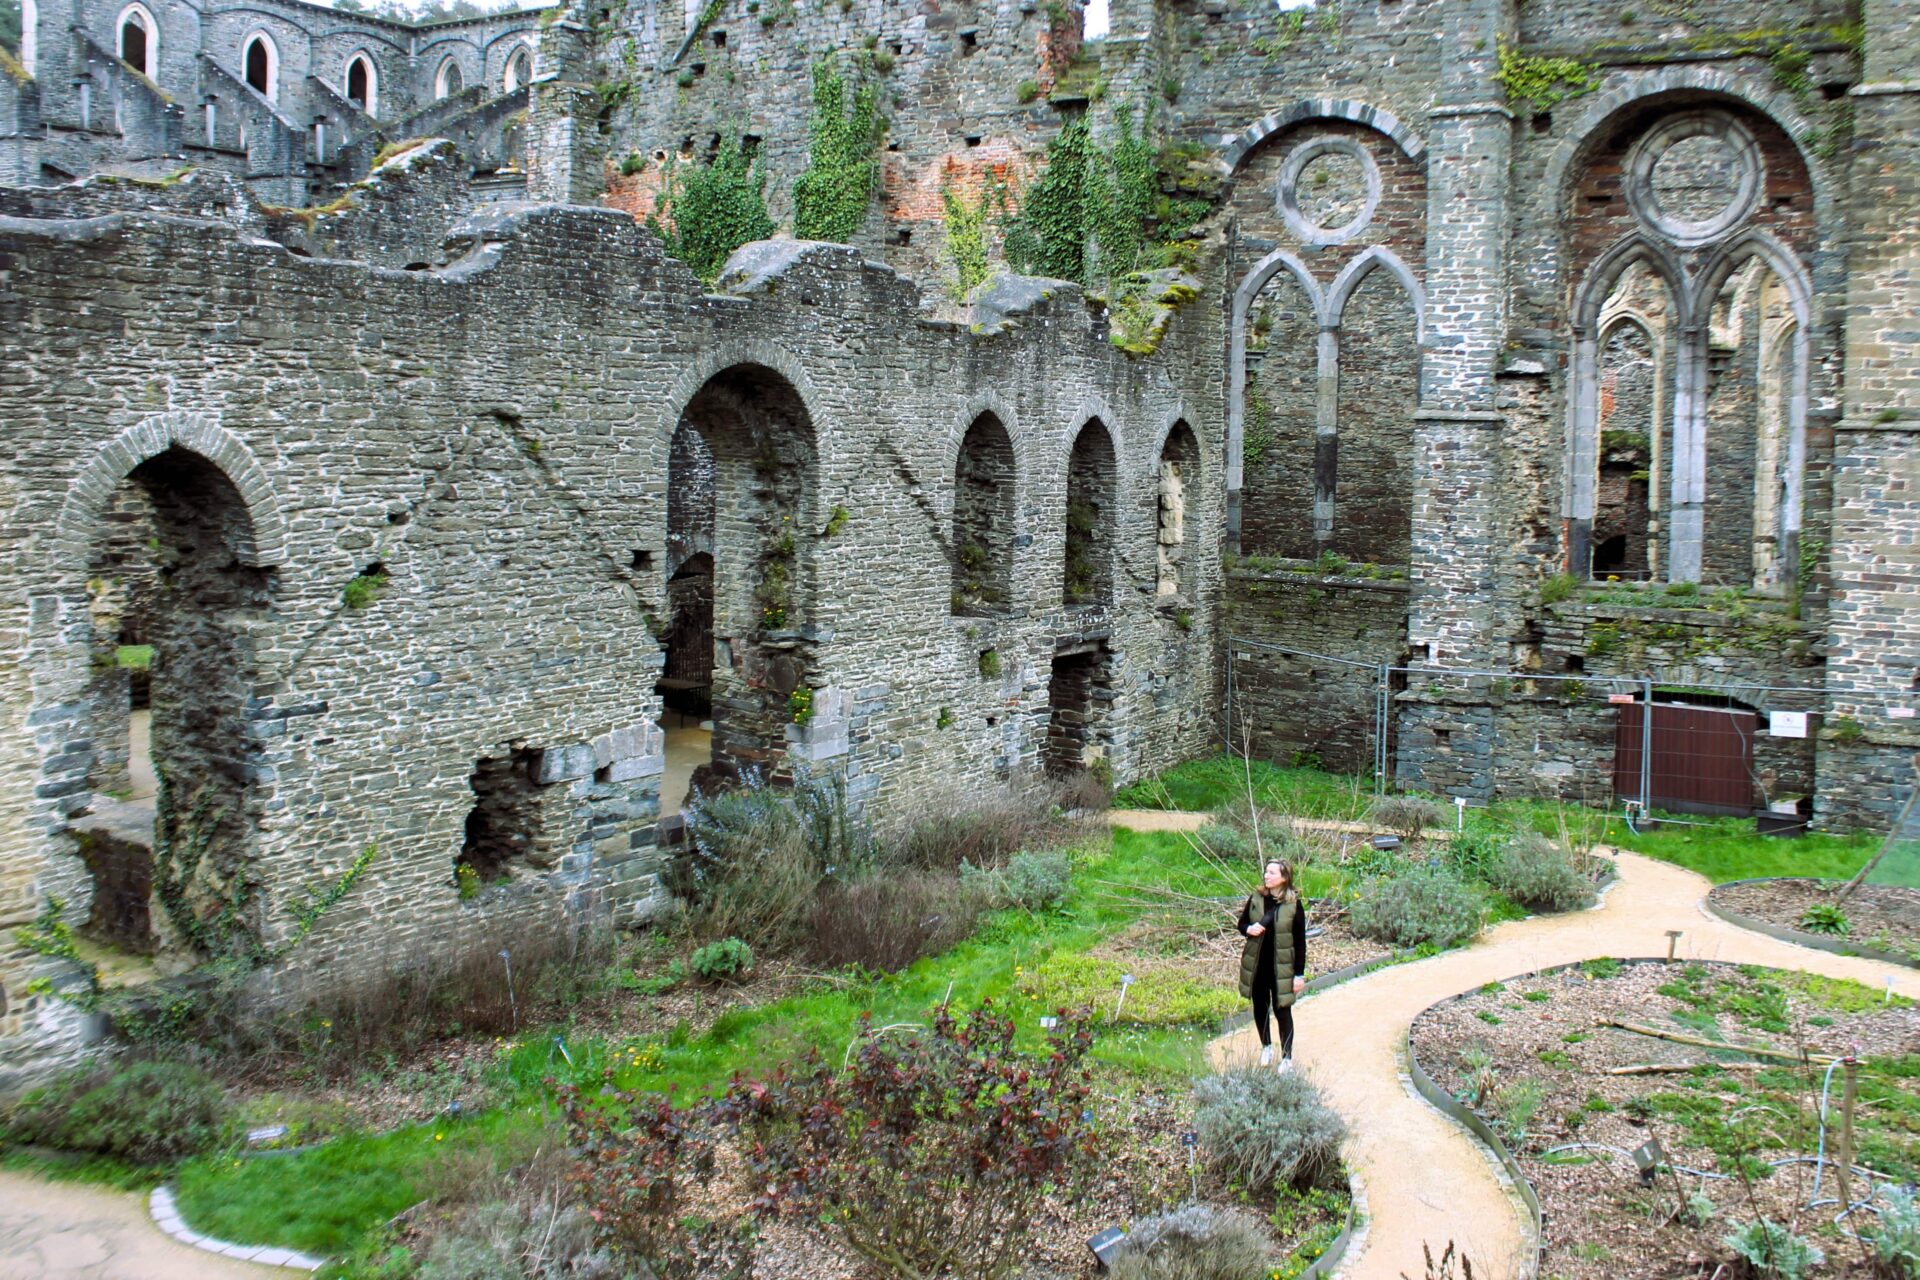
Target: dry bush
[(410, 1003), (951, 827), (1407, 816), (1195, 1242), (1540, 875), (885, 922)]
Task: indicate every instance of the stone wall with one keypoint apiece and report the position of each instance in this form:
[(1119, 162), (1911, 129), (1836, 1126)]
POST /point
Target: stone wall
[(450, 524)]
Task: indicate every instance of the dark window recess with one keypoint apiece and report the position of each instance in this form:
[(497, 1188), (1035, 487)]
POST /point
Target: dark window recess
[(643, 560), (719, 39), (1576, 663), (500, 826), (969, 41), (902, 235), (973, 139)]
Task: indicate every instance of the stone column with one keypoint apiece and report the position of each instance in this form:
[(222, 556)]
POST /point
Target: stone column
[(1454, 620), (1874, 559), (564, 161)]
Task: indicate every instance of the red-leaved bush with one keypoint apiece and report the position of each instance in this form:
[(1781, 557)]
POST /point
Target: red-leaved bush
[(931, 1150)]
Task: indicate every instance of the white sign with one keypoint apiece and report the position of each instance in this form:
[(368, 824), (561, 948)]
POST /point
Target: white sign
[(1899, 713), (1787, 724)]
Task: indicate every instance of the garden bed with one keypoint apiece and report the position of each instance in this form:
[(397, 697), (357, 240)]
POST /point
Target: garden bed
[(1876, 918), (1531, 1057)]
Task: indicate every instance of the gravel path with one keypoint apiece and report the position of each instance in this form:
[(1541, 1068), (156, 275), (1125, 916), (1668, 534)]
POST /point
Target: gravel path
[(1426, 1180), (68, 1231)]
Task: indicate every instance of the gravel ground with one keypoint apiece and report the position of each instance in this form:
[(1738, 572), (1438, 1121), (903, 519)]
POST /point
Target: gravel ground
[(1600, 1223), (1878, 915)]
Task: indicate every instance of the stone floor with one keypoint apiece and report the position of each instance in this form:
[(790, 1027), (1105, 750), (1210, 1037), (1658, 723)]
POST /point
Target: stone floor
[(688, 747)]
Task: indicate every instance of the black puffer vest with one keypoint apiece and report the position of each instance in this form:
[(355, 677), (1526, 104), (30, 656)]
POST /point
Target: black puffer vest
[(1282, 938)]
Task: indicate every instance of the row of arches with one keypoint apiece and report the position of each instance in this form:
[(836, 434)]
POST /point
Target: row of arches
[(138, 42), (981, 548)]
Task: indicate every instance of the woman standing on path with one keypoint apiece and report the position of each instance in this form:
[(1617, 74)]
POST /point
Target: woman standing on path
[(1274, 921)]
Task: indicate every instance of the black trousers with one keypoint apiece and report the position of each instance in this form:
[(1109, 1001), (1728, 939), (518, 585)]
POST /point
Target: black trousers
[(1263, 1002)]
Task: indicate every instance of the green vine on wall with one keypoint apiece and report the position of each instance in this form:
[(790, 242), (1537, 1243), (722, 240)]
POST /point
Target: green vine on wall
[(1543, 83), (968, 226), (830, 199), (706, 211)]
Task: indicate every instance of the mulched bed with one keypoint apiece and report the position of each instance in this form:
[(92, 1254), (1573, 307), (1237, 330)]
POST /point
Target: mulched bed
[(1600, 1223), (1881, 916)]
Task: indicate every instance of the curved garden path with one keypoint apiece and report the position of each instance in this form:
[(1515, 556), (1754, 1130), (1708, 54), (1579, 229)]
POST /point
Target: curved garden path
[(1426, 1180), (70, 1231)]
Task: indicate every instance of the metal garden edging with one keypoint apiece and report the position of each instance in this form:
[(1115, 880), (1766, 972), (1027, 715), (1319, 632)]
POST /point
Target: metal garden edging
[(1445, 1102), (1819, 942)]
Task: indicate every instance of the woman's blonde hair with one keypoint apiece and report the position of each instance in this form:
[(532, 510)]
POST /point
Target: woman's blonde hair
[(1286, 869)]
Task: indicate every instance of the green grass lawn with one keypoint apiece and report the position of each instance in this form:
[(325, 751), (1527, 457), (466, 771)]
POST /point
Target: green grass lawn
[(1721, 849)]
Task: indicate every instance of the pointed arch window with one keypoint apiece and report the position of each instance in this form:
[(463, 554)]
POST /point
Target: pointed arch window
[(449, 80), (261, 58), (140, 40), (519, 69), (363, 84)]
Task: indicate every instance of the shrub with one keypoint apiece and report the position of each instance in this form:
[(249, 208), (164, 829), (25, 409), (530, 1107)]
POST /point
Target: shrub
[(1895, 1238), (1030, 881), (721, 961), (636, 1158), (1474, 854), (1423, 906), (1828, 918), (886, 921), (520, 1242), (1767, 1249), (933, 1150), (1407, 816), (1418, 904), (1260, 1128), (1538, 874), (143, 1111), (1195, 1242), (949, 829), (757, 854)]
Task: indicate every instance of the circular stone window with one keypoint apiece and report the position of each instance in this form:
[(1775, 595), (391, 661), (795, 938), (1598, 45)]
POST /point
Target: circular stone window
[(1329, 188), (1694, 177)]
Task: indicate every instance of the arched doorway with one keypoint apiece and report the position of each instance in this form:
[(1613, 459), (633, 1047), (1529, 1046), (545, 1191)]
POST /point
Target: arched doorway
[(175, 603), (740, 532)]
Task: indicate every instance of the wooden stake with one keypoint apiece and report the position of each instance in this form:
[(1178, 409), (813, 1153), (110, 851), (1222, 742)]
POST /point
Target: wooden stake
[(1675, 1068), (1697, 1042), (1851, 1071)]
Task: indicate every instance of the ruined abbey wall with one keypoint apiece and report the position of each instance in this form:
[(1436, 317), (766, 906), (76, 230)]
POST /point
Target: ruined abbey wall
[(431, 551)]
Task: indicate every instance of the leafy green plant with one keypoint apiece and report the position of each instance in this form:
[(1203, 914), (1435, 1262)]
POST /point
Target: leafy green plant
[(1423, 906), (634, 162), (706, 211), (967, 223), (1826, 917), (721, 961), (1030, 881), (1895, 1237), (1557, 589), (836, 521), (364, 588), (800, 706), (1538, 874), (990, 664), (1845, 729), (143, 1111), (830, 198), (1027, 91), (466, 881), (1542, 83), (1516, 1104), (1263, 1129), (1771, 1250)]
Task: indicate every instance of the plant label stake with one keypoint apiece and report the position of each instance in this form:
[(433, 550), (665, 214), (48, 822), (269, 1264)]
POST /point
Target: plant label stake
[(1460, 813), (513, 1005), (1126, 980), (1191, 1140), (1673, 943)]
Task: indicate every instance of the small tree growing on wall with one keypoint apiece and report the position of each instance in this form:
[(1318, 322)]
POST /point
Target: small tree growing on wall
[(709, 210)]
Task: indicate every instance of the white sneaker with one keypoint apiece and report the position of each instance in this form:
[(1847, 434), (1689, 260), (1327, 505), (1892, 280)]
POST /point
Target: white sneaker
[(1286, 1065), (1266, 1055)]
